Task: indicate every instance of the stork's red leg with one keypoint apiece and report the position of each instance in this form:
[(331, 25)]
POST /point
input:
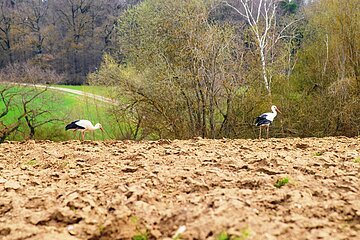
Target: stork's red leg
[(260, 132), (74, 134), (267, 132)]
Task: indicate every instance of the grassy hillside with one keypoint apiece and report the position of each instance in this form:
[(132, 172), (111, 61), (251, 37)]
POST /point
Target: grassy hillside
[(65, 107)]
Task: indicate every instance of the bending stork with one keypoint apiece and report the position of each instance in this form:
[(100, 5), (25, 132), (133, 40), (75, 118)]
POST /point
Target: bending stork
[(83, 126), (265, 119)]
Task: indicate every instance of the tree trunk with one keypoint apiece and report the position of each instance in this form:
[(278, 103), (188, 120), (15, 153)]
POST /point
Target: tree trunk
[(8, 130), (264, 73)]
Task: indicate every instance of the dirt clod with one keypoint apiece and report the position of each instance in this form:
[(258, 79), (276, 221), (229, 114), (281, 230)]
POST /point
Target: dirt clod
[(12, 185)]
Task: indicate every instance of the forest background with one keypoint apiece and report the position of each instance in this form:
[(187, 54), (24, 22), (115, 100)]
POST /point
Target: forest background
[(181, 69)]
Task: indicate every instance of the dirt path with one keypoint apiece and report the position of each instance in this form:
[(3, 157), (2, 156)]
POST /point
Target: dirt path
[(73, 91), (120, 189)]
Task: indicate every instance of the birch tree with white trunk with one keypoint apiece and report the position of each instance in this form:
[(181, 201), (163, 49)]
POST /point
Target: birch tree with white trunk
[(260, 15)]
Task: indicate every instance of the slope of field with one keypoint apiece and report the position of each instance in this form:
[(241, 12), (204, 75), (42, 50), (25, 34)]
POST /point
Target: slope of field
[(64, 104), (147, 190)]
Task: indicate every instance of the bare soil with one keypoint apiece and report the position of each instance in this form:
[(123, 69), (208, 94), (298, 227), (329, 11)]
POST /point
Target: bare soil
[(122, 189)]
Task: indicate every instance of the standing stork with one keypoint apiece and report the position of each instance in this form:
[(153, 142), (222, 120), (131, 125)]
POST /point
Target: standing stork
[(83, 126), (265, 119)]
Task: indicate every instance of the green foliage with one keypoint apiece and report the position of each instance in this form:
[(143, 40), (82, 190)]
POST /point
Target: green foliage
[(357, 160), (176, 85), (225, 236), (101, 229), (140, 236), (317, 154), (281, 182), (166, 53), (289, 6), (329, 84), (31, 162)]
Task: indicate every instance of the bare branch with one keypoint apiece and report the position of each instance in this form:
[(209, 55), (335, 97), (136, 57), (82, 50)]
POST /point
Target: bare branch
[(234, 8)]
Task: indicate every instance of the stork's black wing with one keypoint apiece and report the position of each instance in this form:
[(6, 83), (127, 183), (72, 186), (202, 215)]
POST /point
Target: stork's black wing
[(262, 120), (73, 125)]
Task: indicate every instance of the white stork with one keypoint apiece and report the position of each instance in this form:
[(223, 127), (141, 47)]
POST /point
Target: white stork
[(83, 126), (265, 119)]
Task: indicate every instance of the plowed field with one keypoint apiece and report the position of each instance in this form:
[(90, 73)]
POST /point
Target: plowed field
[(249, 189)]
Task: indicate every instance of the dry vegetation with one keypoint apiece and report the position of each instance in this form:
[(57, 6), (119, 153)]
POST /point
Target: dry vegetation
[(250, 189)]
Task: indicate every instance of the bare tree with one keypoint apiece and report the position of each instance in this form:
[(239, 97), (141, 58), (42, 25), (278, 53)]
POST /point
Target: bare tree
[(261, 17), (6, 25), (86, 28), (32, 15), (7, 97), (29, 104), (180, 85), (36, 115)]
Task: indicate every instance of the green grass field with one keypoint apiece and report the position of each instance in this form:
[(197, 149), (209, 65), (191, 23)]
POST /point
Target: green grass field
[(66, 107)]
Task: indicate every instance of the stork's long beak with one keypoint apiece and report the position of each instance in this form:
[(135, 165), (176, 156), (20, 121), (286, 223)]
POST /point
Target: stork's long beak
[(278, 110), (101, 129)]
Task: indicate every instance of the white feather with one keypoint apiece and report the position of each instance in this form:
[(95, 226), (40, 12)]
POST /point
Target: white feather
[(270, 115), (88, 125)]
